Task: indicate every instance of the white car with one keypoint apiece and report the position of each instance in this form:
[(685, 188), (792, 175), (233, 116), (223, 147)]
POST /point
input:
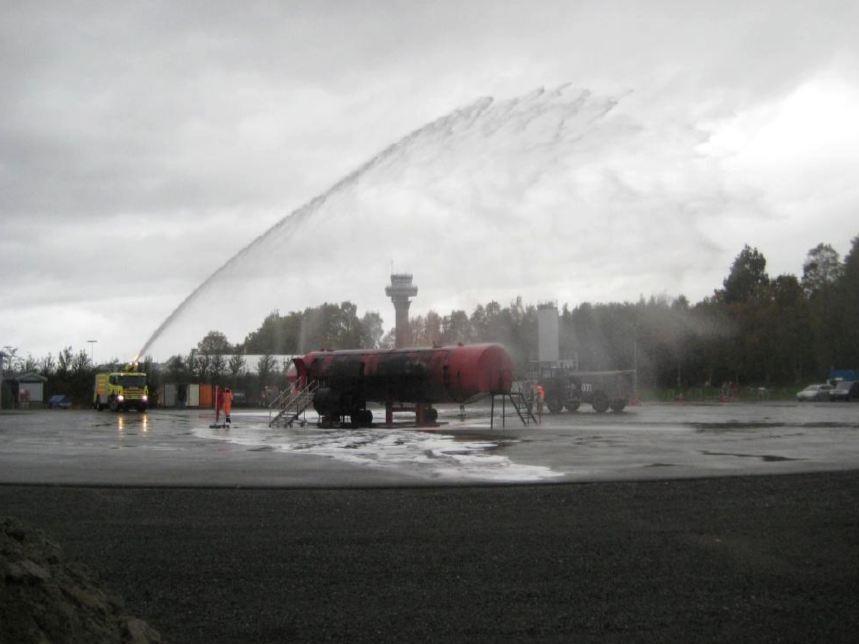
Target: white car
[(814, 392)]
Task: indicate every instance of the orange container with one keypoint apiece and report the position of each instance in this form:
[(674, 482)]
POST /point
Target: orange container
[(207, 396)]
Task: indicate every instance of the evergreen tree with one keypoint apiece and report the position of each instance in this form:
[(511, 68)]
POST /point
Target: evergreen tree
[(821, 269), (845, 317), (748, 279)]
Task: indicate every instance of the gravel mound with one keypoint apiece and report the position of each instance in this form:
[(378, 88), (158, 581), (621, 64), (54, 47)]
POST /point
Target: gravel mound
[(44, 599)]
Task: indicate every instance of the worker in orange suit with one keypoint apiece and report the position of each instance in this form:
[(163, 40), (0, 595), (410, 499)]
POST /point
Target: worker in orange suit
[(228, 405), (539, 397)]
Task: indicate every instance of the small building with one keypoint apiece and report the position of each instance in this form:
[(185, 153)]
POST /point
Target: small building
[(193, 395), (31, 389), (168, 395)]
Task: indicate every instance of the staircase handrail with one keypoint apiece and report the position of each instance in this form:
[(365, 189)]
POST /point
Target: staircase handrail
[(300, 399)]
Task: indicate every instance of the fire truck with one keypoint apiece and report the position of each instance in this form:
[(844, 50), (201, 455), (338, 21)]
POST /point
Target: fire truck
[(567, 389), (121, 390)]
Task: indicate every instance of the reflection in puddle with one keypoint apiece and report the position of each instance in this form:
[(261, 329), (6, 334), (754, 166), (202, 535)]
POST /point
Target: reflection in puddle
[(125, 425), (428, 454)]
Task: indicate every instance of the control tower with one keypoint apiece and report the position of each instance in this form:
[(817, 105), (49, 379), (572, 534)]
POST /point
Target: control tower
[(400, 290)]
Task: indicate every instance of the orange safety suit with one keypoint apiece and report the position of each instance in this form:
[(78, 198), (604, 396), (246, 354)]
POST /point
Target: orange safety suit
[(228, 402), (539, 397)]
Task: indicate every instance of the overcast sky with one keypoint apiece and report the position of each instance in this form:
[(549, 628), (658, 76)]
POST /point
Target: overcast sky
[(144, 144)]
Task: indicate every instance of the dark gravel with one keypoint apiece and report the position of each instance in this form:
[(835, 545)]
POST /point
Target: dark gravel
[(745, 558), (42, 599)]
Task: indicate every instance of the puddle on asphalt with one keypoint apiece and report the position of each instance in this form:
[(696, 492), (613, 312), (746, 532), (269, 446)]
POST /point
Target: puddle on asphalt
[(832, 425), (429, 454), (767, 458), (734, 425), (598, 440)]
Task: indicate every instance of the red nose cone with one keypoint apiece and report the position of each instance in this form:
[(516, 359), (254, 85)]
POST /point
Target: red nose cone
[(481, 368), (496, 368)]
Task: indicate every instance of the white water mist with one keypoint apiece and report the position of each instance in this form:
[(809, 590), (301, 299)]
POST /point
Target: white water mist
[(551, 195)]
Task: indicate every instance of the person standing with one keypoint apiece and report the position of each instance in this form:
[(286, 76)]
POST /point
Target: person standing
[(228, 405), (539, 397)]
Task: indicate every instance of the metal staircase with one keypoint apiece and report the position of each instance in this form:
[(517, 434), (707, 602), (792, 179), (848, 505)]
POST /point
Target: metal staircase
[(522, 406), (290, 405), (520, 403)]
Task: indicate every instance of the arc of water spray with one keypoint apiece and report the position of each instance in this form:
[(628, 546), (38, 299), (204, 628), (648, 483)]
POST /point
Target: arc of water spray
[(298, 216)]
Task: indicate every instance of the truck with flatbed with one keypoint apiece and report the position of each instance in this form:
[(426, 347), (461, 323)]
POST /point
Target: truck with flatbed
[(567, 389)]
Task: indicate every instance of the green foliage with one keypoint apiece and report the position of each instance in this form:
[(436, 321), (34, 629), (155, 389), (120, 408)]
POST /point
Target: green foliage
[(821, 269), (214, 343), (265, 369), (748, 279), (177, 371), (329, 326), (845, 310), (755, 331), (236, 367), (73, 376)]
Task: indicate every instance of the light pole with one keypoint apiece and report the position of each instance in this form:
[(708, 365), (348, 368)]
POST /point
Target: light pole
[(91, 349)]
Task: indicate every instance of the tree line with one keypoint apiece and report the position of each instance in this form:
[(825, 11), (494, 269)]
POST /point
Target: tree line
[(754, 330)]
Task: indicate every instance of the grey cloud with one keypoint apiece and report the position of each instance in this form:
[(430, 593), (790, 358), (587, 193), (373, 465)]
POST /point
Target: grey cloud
[(232, 114), (139, 107)]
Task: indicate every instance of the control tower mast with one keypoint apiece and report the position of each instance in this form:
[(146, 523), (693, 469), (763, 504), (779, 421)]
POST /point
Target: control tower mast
[(400, 290)]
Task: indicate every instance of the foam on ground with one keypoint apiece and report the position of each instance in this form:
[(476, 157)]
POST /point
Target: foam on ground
[(428, 454)]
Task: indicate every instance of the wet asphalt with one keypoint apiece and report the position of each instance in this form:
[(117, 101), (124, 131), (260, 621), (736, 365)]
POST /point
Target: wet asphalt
[(178, 448), (762, 558), (698, 523)]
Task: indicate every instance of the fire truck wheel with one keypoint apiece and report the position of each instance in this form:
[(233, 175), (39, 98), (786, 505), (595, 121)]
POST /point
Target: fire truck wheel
[(572, 405), (555, 406), (618, 405), (432, 414), (114, 406), (366, 418), (600, 402)]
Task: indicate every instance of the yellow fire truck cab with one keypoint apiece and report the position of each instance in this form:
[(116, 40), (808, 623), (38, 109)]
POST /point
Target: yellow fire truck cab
[(121, 390)]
